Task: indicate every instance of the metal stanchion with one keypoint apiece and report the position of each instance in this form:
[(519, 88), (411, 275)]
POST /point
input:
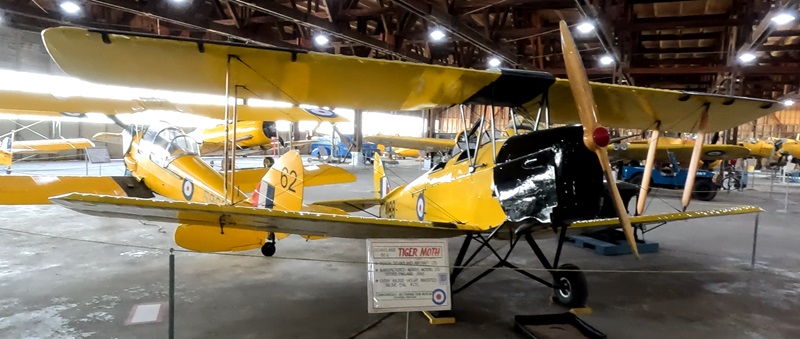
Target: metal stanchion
[(785, 198), (755, 242), (171, 294), (407, 316)]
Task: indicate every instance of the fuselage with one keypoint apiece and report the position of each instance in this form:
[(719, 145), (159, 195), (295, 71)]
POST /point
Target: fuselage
[(168, 163), (541, 177)]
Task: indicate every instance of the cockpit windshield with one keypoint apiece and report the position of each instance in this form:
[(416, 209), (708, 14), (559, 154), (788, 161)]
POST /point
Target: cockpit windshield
[(166, 143)]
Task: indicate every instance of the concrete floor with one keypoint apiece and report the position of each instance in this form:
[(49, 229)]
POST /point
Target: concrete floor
[(58, 288)]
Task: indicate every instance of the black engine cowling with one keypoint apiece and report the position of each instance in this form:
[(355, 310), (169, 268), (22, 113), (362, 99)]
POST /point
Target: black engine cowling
[(549, 176)]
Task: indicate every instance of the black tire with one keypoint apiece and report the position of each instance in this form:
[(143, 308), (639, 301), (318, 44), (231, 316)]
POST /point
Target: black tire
[(704, 189), (571, 288), (268, 162), (268, 249)]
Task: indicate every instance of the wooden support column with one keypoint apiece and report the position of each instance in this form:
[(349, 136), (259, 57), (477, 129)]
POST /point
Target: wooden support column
[(358, 126)]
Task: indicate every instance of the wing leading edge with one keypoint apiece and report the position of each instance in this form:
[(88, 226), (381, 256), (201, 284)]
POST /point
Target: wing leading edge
[(668, 217)]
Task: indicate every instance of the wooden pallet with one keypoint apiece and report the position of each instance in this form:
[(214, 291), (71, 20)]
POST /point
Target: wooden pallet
[(606, 248)]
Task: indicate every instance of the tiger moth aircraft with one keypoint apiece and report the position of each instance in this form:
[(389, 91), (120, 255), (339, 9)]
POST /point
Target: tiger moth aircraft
[(545, 179), (775, 150)]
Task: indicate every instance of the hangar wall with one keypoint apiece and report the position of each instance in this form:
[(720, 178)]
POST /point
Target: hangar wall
[(23, 51)]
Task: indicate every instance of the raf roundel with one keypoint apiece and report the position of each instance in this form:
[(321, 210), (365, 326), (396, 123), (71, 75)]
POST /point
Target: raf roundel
[(421, 207), (438, 297), (325, 113), (715, 153), (188, 189)]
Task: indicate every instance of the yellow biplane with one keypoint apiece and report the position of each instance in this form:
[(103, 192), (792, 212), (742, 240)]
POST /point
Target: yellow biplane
[(776, 150), (8, 148), (546, 179)]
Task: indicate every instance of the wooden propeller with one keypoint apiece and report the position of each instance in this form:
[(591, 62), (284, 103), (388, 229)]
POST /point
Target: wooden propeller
[(595, 136)]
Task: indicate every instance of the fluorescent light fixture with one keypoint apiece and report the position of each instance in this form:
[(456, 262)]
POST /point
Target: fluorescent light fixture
[(606, 60), (321, 40), (437, 34), (585, 27), (747, 57), (783, 18), (494, 62), (70, 7), (788, 102)]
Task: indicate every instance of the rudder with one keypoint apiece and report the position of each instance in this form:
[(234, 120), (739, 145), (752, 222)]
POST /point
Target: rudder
[(380, 181), (282, 187)]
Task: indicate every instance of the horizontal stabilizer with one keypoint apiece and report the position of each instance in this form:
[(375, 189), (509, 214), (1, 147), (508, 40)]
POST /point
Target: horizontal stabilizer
[(259, 219)]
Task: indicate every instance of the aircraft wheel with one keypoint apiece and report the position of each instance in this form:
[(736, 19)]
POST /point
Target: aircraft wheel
[(571, 288), (268, 249), (704, 189), (268, 162)]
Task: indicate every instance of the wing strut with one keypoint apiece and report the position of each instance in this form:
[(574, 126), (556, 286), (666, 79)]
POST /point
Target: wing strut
[(695, 161), (648, 170)]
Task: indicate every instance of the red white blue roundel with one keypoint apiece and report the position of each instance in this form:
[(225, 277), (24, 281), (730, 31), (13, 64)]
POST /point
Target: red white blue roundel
[(324, 113), (188, 189), (715, 153), (439, 297), (421, 207)]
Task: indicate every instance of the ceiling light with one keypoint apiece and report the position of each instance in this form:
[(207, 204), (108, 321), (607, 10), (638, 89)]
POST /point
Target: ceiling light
[(747, 57), (788, 102), (321, 40), (494, 62), (437, 34), (585, 27), (70, 7), (783, 18), (606, 60)]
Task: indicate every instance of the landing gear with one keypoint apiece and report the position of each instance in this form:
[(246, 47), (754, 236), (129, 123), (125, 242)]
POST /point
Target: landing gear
[(571, 288), (268, 249), (268, 162), (568, 282)]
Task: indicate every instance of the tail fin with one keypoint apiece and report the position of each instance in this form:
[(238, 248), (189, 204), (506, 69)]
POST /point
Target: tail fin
[(282, 187), (380, 181)]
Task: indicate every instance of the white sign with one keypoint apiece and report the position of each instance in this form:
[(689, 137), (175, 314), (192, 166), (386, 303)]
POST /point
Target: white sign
[(98, 155), (408, 275)]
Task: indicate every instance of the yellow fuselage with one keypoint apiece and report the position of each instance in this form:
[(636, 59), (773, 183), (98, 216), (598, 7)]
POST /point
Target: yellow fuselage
[(451, 194), (186, 178), (248, 134)]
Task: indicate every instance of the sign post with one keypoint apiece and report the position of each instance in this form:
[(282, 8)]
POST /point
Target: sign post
[(407, 275), (97, 155)]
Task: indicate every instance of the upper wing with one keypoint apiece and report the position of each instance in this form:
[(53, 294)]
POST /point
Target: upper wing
[(427, 144), (683, 153), (30, 190), (642, 108), (250, 218), (295, 76), (299, 76), (667, 217), (53, 145)]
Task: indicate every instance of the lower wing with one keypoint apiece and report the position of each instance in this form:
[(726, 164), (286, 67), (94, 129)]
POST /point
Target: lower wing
[(668, 217), (33, 190), (351, 205), (256, 219)]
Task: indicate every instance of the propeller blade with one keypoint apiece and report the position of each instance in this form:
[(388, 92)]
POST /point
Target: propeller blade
[(595, 137)]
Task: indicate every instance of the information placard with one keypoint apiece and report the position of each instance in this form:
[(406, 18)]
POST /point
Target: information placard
[(98, 155), (408, 275)]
